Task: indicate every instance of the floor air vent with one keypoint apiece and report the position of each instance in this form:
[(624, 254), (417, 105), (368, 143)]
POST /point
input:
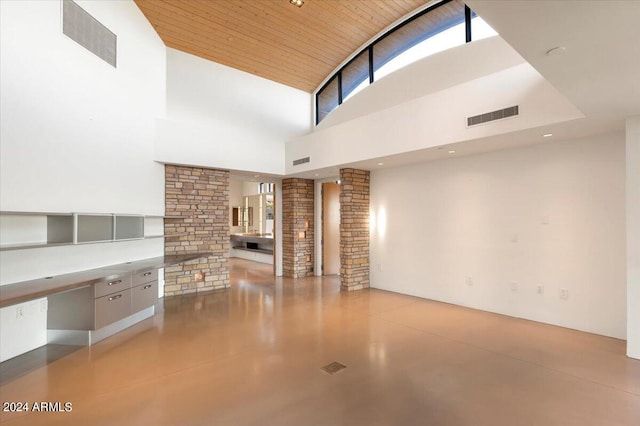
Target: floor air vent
[(301, 161), (492, 116), (85, 30), (333, 368)]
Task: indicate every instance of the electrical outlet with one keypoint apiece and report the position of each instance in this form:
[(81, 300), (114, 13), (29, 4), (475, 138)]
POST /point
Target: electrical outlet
[(19, 312), (540, 289), (514, 286), (564, 294), (469, 280)]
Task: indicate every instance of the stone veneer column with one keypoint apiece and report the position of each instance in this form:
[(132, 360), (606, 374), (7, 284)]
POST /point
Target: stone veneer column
[(202, 195), (354, 229), (297, 227)]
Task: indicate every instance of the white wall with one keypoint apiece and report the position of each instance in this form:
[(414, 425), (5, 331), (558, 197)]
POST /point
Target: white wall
[(77, 134), (633, 235), (24, 327), (550, 214), (250, 188), (224, 118)]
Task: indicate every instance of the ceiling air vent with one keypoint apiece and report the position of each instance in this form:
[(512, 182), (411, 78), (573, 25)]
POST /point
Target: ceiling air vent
[(492, 116), (301, 161), (85, 30)]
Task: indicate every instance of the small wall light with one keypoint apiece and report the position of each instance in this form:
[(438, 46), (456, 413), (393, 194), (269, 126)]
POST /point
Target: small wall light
[(302, 235)]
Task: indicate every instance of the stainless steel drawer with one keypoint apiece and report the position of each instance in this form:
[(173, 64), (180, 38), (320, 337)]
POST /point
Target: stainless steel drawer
[(112, 286), (144, 277), (112, 308), (143, 296)]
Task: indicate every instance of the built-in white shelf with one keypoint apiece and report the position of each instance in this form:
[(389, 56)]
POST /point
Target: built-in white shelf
[(61, 229), (179, 234), (25, 246), (19, 213)]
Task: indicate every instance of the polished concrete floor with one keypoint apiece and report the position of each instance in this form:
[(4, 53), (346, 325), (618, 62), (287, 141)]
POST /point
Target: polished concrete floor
[(252, 355)]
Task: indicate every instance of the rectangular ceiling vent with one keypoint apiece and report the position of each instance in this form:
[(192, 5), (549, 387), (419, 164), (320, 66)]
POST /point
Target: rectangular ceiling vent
[(301, 161), (492, 116), (85, 30)]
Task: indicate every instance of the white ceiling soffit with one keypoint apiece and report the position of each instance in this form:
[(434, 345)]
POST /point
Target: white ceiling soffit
[(437, 118), (599, 70)]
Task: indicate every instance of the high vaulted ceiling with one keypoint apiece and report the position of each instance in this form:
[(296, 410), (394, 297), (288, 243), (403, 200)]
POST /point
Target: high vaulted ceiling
[(298, 47)]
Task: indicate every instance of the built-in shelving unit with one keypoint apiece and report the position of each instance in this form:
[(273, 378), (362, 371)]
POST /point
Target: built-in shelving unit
[(128, 227), (93, 228), (255, 247), (54, 229), (254, 243)]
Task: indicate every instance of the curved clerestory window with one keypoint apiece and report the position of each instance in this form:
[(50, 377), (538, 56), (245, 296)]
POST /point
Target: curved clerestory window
[(439, 27)]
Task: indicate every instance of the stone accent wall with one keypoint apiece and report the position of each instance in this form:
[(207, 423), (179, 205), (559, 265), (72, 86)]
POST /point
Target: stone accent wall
[(354, 229), (297, 227), (202, 195)]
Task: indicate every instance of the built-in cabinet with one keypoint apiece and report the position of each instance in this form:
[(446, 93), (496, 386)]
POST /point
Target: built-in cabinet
[(55, 229), (257, 243), (87, 306), (252, 247), (99, 305)]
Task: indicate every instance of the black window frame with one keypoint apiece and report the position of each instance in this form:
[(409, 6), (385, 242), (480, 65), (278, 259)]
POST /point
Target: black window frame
[(468, 16)]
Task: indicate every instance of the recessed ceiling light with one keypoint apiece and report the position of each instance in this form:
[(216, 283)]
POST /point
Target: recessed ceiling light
[(380, 164), (317, 174), (555, 51), (298, 3), (547, 135), (451, 151), (256, 176)]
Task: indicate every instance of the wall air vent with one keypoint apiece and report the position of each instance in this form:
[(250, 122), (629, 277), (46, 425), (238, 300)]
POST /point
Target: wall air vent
[(301, 161), (492, 116), (85, 30)]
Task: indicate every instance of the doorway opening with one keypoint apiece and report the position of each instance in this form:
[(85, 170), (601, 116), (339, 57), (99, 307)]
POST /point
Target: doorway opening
[(330, 216), (252, 220)]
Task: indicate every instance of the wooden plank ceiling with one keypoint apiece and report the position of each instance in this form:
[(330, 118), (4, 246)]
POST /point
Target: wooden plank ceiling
[(274, 39)]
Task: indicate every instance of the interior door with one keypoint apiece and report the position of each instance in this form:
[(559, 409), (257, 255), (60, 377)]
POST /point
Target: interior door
[(330, 228)]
